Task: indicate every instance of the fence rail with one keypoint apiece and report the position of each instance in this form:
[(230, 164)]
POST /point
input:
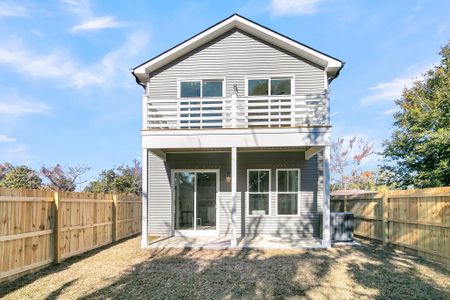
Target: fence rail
[(413, 220), (40, 227)]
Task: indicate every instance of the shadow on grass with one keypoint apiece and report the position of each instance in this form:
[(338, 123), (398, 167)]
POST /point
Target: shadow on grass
[(10, 286), (371, 271), (240, 274), (396, 276)]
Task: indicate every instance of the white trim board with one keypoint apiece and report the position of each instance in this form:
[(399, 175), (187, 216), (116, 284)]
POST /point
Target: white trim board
[(245, 138)]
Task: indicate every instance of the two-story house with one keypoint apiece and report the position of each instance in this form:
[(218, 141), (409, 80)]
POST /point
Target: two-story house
[(236, 136)]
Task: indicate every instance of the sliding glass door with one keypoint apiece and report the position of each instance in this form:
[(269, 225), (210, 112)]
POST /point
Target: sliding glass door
[(195, 195)]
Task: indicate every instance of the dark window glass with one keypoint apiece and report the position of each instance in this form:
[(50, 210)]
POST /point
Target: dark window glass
[(287, 204), (258, 204), (280, 86), (288, 181), (258, 87), (212, 89), (253, 181), (190, 89)]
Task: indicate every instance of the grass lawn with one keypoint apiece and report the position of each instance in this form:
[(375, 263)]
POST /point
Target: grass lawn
[(125, 271)]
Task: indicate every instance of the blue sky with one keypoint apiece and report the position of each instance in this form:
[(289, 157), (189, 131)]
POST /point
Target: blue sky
[(66, 94)]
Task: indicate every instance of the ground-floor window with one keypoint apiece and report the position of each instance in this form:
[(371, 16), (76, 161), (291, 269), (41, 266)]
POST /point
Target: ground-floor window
[(288, 187), (258, 187)]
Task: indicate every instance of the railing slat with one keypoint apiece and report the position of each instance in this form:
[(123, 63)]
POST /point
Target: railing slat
[(237, 112)]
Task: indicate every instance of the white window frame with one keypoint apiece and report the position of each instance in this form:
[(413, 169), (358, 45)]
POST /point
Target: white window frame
[(298, 192), (247, 200), (179, 81), (269, 78)]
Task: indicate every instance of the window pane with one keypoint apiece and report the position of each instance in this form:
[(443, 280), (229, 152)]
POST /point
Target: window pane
[(280, 86), (212, 89), (287, 204), (258, 204), (288, 181), (258, 87), (264, 181), (253, 181), (293, 181), (190, 89)]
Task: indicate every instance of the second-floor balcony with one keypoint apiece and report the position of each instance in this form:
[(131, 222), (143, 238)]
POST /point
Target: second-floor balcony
[(236, 112)]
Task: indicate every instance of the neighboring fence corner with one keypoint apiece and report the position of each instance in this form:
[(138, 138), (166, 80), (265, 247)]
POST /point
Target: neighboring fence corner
[(414, 220)]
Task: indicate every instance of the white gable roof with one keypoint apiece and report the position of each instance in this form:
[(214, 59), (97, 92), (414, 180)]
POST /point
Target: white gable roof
[(330, 64)]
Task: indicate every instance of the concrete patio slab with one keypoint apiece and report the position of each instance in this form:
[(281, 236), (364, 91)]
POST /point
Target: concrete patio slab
[(224, 242)]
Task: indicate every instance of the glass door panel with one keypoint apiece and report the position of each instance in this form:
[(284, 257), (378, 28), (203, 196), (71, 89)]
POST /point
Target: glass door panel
[(206, 201), (184, 200)]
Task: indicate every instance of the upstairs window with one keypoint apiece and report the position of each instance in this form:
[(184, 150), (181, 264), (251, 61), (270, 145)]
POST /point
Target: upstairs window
[(258, 87), (212, 88), (271, 86), (190, 89), (201, 89)]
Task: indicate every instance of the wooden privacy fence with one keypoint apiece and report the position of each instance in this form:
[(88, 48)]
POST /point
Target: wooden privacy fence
[(40, 227), (415, 220)]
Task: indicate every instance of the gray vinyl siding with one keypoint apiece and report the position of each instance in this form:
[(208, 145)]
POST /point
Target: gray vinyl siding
[(233, 56), (175, 161), (305, 225), (159, 197)]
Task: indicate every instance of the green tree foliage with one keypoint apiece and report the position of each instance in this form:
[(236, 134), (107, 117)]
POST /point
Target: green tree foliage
[(21, 177), (418, 153), (123, 179)]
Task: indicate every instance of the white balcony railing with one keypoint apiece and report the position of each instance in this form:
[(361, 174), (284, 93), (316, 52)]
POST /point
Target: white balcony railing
[(234, 112)]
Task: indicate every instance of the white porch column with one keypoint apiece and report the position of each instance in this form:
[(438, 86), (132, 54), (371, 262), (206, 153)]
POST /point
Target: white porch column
[(326, 230), (144, 239), (233, 195)]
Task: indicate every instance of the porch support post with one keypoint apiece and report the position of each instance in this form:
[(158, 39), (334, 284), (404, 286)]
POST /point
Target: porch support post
[(144, 239), (233, 195), (326, 230)]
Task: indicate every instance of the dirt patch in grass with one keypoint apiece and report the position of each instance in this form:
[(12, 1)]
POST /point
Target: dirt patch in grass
[(125, 271)]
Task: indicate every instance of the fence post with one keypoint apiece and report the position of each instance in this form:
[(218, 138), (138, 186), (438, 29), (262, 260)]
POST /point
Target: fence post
[(114, 219), (57, 228), (385, 216)]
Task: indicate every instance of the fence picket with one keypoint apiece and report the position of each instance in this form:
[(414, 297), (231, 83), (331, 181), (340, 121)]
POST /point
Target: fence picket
[(40, 227), (412, 220)]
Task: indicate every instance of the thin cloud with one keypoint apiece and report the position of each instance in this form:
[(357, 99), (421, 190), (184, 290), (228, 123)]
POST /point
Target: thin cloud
[(6, 139), (390, 111), (98, 24), (89, 21), (392, 90), (17, 154), (295, 7), (17, 107), (12, 10), (58, 65)]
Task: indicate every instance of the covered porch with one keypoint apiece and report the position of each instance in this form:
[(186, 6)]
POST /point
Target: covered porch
[(229, 217)]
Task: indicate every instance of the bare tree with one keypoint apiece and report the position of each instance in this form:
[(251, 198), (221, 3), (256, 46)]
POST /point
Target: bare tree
[(346, 158), (64, 180), (5, 168)]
